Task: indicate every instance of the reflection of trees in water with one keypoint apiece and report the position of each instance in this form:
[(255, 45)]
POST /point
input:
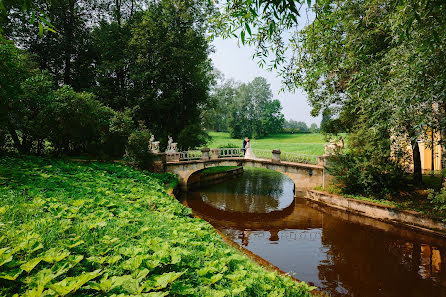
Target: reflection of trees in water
[(257, 190), (369, 262)]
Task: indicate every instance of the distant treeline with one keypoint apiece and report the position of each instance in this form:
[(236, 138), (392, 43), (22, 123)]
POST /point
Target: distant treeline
[(245, 109), (293, 126)]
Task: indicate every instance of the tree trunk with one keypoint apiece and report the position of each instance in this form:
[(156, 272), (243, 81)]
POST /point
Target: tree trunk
[(417, 174), (15, 138), (69, 29)]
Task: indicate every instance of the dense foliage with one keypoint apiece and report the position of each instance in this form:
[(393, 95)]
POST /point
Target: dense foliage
[(245, 110), (371, 66), (149, 60), (105, 229), (292, 126)]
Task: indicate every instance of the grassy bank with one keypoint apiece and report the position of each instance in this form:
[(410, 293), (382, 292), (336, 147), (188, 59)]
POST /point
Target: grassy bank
[(413, 198), (98, 229), (217, 169), (306, 143)]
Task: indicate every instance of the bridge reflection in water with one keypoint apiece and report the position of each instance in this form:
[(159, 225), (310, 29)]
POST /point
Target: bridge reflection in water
[(341, 253)]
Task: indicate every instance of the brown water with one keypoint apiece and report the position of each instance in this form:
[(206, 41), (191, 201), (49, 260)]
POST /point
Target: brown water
[(340, 253)]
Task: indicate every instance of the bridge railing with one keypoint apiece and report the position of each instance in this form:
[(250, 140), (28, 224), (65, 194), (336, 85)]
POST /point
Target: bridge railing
[(183, 156), (238, 153), (298, 158), (230, 152), (262, 154)]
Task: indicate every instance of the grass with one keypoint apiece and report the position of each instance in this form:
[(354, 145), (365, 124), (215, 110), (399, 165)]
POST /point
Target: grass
[(217, 169), (101, 229), (305, 143)]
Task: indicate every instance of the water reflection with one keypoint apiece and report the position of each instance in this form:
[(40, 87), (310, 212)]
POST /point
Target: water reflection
[(341, 253)]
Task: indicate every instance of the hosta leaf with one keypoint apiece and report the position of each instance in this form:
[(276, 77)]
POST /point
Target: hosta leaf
[(215, 278), (141, 274), (5, 258), (176, 258), (55, 255), (155, 294), (165, 279), (11, 274), (238, 290), (152, 264), (134, 263), (28, 266), (113, 259), (72, 284)]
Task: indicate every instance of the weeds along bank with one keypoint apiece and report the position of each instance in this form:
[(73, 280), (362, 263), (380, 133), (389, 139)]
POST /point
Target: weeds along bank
[(98, 229)]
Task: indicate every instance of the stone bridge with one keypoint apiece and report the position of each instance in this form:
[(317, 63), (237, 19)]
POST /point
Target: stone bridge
[(304, 176)]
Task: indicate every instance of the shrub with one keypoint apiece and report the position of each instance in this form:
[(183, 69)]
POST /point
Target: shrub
[(229, 145), (137, 150), (79, 122), (120, 128), (360, 175), (438, 199)]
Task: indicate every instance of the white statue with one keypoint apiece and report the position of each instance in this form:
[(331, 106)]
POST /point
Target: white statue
[(333, 147), (151, 140), (155, 147), (173, 147), (169, 143)]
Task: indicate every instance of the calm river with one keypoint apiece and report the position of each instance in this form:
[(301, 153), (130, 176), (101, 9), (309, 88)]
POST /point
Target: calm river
[(340, 253)]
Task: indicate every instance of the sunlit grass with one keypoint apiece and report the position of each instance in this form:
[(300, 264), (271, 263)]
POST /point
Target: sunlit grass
[(305, 143)]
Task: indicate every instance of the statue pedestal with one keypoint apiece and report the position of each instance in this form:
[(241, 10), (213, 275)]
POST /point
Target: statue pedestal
[(215, 154), (276, 156), (205, 153)]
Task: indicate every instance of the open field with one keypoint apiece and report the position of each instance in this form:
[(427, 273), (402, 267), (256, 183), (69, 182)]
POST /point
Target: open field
[(100, 229), (305, 143)]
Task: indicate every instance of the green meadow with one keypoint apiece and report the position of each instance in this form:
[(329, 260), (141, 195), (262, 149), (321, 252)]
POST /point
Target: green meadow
[(102, 229), (305, 143)]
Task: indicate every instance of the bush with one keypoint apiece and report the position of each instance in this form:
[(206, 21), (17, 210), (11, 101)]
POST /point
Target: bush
[(137, 150), (79, 123), (359, 176), (120, 128), (229, 145), (439, 199)]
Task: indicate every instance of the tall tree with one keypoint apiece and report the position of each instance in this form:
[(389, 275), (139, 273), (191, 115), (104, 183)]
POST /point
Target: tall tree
[(170, 70)]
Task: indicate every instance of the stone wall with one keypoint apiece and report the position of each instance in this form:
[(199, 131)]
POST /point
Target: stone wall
[(410, 219)]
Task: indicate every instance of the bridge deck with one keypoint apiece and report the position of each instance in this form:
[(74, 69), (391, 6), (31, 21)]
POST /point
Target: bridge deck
[(243, 160)]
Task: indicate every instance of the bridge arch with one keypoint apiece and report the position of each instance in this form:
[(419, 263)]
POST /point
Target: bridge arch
[(304, 176)]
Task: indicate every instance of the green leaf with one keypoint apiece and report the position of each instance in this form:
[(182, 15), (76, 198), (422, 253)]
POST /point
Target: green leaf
[(242, 37), (33, 16), (40, 29), (164, 280), (54, 255), (309, 3), (28, 266), (72, 284), (5, 258), (155, 294), (248, 29), (12, 274)]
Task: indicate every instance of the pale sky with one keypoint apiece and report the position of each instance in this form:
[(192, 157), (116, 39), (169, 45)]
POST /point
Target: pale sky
[(236, 62)]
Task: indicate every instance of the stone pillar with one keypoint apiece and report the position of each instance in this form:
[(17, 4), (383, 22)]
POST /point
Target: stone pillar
[(215, 153), (321, 160), (159, 163), (276, 156), (205, 153)]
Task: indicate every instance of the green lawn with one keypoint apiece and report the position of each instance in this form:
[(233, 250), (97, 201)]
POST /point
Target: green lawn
[(101, 229), (305, 143)]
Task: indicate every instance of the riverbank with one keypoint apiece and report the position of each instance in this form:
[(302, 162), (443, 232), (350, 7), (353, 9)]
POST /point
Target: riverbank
[(100, 228), (381, 211)]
